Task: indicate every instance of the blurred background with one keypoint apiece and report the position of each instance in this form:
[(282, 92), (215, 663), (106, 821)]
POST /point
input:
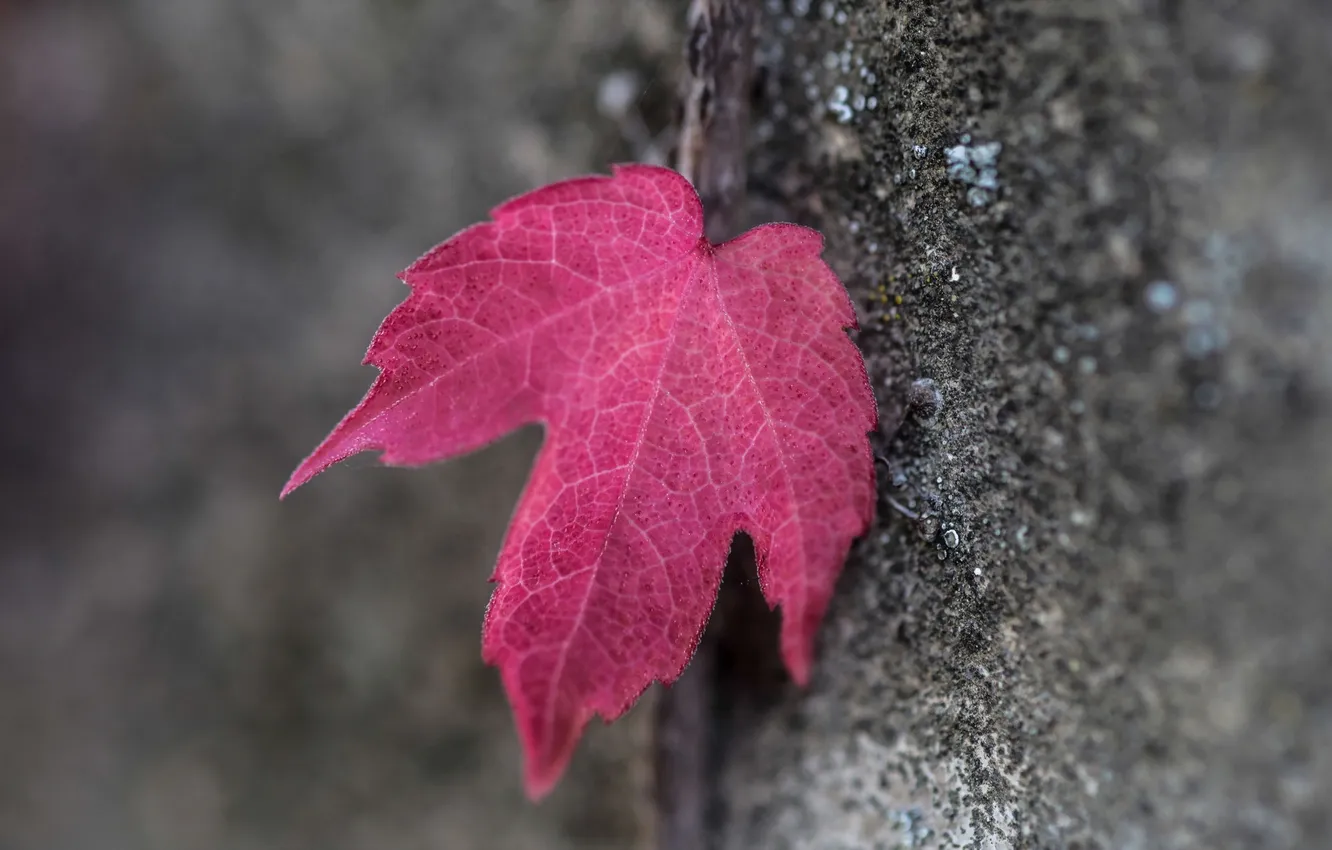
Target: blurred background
[(203, 204)]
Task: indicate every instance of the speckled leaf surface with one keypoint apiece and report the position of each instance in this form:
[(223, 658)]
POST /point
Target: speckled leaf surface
[(688, 391)]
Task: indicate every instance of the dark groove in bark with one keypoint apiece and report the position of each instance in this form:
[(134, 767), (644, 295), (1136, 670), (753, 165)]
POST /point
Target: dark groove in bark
[(714, 129)]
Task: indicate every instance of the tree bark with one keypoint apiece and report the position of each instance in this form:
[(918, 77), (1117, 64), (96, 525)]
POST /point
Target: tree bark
[(1101, 230)]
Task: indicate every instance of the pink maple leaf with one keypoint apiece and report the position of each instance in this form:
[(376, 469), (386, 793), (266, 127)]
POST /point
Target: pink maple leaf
[(689, 391)]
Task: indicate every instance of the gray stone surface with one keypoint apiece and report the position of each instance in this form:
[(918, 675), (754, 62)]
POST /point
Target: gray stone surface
[(1110, 229)]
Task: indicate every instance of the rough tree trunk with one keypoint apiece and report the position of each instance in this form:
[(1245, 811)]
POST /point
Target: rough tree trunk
[(1103, 230)]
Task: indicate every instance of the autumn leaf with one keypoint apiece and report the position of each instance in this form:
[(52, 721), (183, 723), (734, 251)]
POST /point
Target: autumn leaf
[(688, 391)]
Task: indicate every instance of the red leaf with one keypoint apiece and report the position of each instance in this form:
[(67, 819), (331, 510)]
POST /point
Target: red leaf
[(688, 391)]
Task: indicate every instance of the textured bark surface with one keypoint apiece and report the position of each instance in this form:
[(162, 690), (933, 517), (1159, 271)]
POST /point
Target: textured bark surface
[(1102, 231)]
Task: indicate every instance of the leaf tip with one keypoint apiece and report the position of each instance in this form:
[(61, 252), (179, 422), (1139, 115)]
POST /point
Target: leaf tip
[(798, 663), (539, 784), (548, 739), (308, 469), (798, 647), (331, 451), (544, 769), (295, 481)]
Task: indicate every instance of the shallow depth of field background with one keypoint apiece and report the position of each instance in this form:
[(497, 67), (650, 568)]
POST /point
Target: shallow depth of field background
[(202, 208)]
